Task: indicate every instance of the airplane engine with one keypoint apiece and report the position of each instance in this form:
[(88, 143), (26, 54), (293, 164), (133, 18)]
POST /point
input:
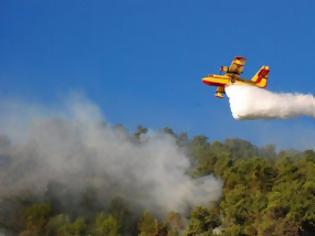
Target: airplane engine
[(224, 69)]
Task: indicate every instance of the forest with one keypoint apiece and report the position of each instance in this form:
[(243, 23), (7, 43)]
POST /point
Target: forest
[(265, 192)]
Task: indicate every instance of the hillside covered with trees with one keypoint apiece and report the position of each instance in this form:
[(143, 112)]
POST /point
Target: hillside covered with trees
[(265, 192)]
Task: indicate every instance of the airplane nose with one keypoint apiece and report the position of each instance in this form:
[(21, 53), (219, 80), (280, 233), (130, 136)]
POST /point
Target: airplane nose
[(205, 80)]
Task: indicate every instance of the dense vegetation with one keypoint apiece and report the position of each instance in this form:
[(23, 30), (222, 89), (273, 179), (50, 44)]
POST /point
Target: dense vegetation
[(265, 193)]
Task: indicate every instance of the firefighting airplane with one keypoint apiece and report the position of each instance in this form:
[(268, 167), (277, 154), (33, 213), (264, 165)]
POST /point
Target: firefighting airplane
[(231, 75)]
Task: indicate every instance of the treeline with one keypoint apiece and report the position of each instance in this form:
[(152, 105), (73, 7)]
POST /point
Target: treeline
[(264, 193)]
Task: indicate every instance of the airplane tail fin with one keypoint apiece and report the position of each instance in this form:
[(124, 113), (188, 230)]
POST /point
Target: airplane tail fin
[(261, 77)]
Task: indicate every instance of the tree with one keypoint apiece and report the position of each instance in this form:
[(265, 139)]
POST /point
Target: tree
[(105, 225), (77, 228), (140, 131), (148, 225), (203, 221), (35, 219), (56, 224)]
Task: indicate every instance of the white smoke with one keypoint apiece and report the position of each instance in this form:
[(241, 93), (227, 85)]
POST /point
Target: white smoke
[(73, 146), (248, 102)]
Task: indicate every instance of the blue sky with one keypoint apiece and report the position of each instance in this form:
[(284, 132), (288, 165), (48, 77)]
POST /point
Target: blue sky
[(141, 60)]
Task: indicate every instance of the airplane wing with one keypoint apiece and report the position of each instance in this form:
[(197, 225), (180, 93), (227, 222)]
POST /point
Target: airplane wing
[(237, 65)]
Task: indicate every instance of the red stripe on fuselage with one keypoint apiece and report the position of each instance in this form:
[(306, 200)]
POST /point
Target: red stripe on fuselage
[(213, 83)]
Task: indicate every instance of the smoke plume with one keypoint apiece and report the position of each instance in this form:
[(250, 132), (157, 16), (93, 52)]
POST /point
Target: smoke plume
[(73, 148), (248, 102)]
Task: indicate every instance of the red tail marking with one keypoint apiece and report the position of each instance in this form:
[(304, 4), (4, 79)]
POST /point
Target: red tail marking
[(263, 73)]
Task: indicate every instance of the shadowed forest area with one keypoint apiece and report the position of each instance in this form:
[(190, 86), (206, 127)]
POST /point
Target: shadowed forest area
[(265, 192)]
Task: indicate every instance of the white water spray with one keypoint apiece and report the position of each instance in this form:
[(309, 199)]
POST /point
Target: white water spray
[(249, 102)]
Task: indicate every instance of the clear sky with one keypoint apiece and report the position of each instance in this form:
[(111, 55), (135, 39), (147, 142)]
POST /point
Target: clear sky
[(141, 61)]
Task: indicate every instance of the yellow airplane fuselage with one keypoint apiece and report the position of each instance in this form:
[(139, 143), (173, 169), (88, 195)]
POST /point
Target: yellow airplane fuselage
[(226, 80), (222, 81)]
